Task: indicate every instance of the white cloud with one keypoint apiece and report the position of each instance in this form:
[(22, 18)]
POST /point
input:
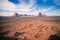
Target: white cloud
[(52, 12), (6, 13), (6, 5), (57, 2), (44, 10), (24, 8)]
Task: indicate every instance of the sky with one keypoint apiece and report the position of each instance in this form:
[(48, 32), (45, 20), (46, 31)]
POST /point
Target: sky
[(30, 7)]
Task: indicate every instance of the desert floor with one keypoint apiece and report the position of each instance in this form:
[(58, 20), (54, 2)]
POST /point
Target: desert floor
[(30, 30)]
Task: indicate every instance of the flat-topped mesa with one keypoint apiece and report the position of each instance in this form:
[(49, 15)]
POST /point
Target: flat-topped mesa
[(16, 14), (41, 15), (26, 15)]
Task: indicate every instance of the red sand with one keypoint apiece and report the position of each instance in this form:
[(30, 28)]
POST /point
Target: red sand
[(34, 30)]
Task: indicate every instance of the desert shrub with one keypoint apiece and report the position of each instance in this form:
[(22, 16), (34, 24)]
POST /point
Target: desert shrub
[(46, 28), (3, 37), (58, 33), (19, 33), (55, 28), (25, 38), (1, 28), (3, 33), (54, 37), (40, 30), (37, 36)]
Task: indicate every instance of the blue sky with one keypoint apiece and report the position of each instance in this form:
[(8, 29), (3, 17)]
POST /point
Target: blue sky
[(32, 7)]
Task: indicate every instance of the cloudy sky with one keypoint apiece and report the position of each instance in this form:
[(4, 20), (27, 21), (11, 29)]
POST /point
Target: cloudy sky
[(31, 7)]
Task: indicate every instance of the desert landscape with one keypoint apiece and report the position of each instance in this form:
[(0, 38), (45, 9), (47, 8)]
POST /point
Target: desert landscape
[(29, 19), (36, 28)]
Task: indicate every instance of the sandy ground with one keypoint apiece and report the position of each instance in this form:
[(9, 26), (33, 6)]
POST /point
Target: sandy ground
[(31, 30)]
